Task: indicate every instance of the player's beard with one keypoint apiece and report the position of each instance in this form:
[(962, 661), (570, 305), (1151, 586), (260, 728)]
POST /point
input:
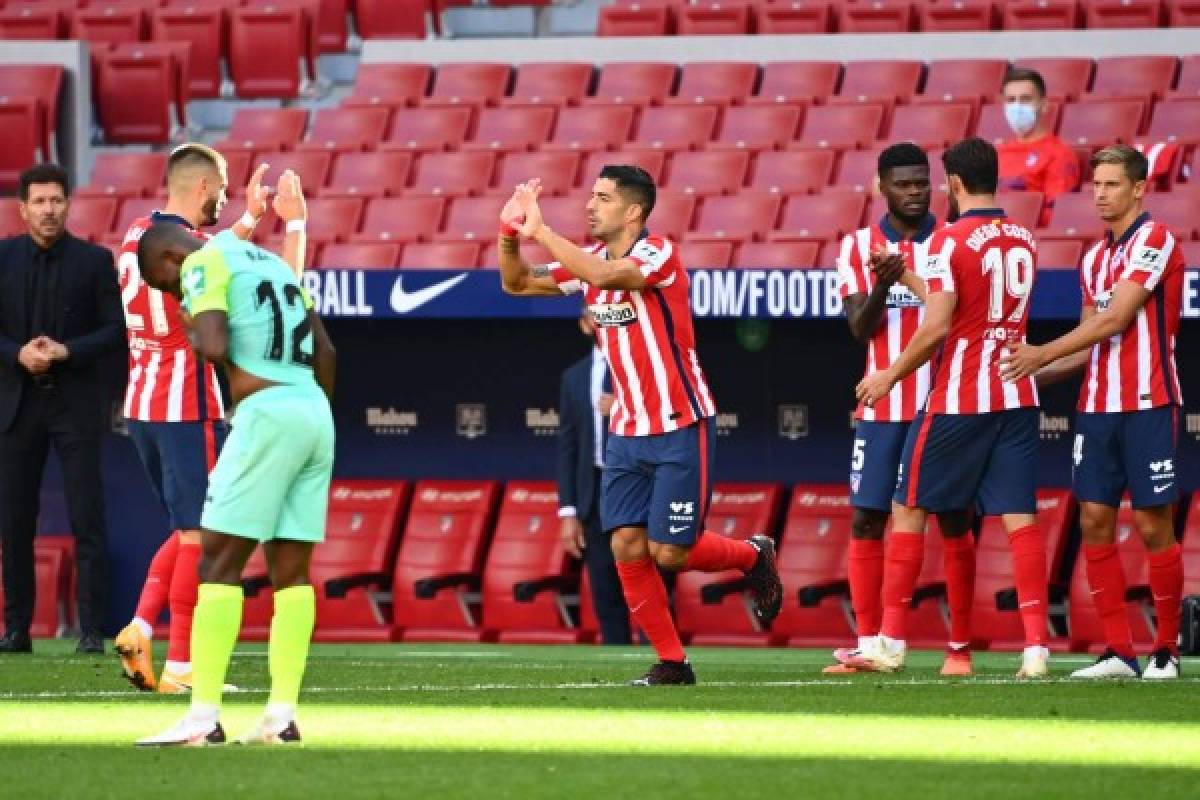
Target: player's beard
[(211, 211)]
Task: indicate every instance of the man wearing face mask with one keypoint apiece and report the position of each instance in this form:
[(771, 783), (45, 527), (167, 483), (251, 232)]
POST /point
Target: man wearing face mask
[(1034, 160)]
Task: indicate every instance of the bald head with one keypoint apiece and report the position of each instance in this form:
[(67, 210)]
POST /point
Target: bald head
[(161, 252), (197, 177)]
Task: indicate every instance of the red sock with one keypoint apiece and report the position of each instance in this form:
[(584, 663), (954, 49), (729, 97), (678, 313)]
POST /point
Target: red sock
[(158, 580), (647, 599), (185, 581), (958, 562), (865, 567), (1033, 594), (902, 565), (1166, 584), (1106, 577), (713, 552)]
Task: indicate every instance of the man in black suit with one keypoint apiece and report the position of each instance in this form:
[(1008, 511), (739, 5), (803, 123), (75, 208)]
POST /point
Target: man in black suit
[(586, 399), (60, 314)]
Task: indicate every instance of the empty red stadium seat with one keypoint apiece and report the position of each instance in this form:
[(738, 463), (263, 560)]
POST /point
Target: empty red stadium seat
[(717, 172), (392, 19), (634, 19), (841, 126), (1191, 253), (1024, 208), (91, 217), (511, 129), (796, 16), (787, 255), (800, 82), (675, 127), (819, 217), (954, 80), (435, 585), (21, 140), (857, 170), (394, 85), (528, 577), (265, 129), (1178, 210), (1175, 121), (43, 82), (712, 607), (876, 16), (1059, 254), (202, 28), (352, 568), (11, 223), (54, 586), (812, 565), (439, 255), (881, 80), (266, 45), (453, 174), (1183, 13), (1028, 15), (792, 171), (1066, 78), (931, 126), (472, 218), (551, 82), (1074, 217), (1134, 76), (311, 165), (653, 161), (132, 208), (332, 218), (760, 127), (138, 94), (556, 169), (673, 213), (474, 83), (331, 25), (360, 255), (346, 129), (1122, 13), (748, 215), (1097, 123), (638, 82), (592, 128), (402, 219), (956, 15), (425, 129), (1084, 630), (706, 254), (31, 20), (369, 174), (721, 82), (566, 214), (109, 23), (995, 621), (713, 18)]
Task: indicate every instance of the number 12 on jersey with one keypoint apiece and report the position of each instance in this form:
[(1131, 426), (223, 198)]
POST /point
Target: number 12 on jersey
[(266, 294)]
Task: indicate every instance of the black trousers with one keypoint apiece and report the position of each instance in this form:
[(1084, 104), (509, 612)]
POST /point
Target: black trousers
[(44, 419), (612, 614)]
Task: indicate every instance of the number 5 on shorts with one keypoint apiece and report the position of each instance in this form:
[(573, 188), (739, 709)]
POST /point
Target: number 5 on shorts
[(859, 456)]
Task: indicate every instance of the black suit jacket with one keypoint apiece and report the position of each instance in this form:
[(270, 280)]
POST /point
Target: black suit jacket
[(576, 476), (92, 325)]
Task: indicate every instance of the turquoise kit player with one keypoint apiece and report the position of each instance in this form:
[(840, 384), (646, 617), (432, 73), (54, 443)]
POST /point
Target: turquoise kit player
[(270, 486)]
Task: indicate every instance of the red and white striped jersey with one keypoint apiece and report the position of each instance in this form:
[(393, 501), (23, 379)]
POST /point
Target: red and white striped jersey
[(648, 340), (1135, 369), (901, 319), (990, 263), (167, 381)]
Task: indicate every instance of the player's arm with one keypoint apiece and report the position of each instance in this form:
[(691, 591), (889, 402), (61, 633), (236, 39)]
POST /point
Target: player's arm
[(1066, 367), (624, 273), (204, 279), (518, 276), (256, 205), (915, 284), (210, 336), (939, 311), (324, 355), (1026, 359)]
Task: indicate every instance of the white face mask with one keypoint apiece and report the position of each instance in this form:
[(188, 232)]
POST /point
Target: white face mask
[(1022, 118)]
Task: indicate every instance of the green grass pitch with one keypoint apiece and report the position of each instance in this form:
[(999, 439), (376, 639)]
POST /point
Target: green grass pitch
[(483, 722)]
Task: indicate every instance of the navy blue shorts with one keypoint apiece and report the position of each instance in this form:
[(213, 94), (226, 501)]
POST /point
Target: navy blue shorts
[(1133, 450), (953, 460), (662, 483), (875, 463), (177, 457)]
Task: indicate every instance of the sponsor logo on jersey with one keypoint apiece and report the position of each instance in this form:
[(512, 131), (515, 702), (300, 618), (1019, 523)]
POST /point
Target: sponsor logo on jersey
[(613, 315)]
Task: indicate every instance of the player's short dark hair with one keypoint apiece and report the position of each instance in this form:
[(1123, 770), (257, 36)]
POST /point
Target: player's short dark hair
[(1135, 163), (43, 173), (160, 236), (635, 183), (976, 164), (902, 154), (1025, 74), (193, 154)]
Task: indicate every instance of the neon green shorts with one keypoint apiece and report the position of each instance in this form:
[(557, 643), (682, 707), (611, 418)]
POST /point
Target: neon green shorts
[(272, 478)]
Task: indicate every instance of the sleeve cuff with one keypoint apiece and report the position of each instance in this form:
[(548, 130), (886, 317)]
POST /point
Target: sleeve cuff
[(567, 511)]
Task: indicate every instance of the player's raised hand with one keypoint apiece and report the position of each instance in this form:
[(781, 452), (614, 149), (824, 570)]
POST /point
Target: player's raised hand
[(513, 213), (1020, 360), (526, 196), (874, 387), (289, 201), (256, 193)]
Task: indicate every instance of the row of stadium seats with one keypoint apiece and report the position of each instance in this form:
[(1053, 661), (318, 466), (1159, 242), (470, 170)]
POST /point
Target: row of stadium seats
[(466, 561), (29, 111), (740, 17)]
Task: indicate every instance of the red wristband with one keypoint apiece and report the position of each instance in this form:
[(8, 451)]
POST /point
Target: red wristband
[(508, 231)]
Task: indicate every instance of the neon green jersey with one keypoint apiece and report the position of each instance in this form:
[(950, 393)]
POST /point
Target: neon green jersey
[(269, 332)]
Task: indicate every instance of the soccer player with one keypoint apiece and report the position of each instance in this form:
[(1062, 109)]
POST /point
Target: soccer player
[(1127, 428), (271, 484), (174, 411), (883, 314), (658, 464), (977, 437)]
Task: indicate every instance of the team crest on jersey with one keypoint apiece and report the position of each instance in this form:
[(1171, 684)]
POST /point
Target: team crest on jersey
[(613, 315)]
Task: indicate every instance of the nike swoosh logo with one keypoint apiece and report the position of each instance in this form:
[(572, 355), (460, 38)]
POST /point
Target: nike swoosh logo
[(1163, 488), (404, 302), (678, 530)]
